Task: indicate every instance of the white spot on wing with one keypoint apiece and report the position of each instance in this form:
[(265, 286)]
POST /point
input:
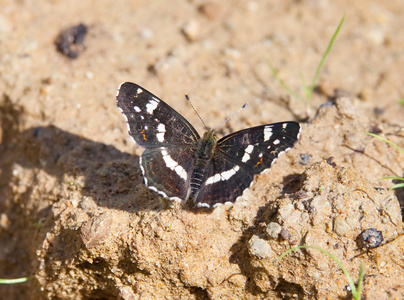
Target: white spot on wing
[(136, 108), (161, 128), (213, 179), (249, 149), (153, 188), (226, 175), (247, 153), (276, 142), (139, 91), (152, 105), (201, 204), (142, 169), (267, 133), (246, 157), (173, 165)]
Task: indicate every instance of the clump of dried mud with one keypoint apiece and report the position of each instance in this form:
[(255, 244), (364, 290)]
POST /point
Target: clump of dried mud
[(102, 234)]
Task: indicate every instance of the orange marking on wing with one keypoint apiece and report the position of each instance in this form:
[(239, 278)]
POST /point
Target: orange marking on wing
[(144, 136), (259, 162)]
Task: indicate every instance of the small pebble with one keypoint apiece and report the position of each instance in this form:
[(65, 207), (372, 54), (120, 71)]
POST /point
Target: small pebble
[(305, 158), (259, 247), (191, 30), (70, 41), (369, 238), (273, 230), (285, 234)]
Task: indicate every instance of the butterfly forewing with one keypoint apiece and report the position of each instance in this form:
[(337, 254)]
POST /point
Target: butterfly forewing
[(152, 122), (257, 148)]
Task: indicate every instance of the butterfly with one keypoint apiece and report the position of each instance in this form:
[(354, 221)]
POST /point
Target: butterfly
[(181, 165)]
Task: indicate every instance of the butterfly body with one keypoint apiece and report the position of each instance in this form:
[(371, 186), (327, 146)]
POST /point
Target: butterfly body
[(180, 165), (203, 157)]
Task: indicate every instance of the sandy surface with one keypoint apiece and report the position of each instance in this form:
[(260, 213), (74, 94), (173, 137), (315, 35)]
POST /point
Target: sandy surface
[(74, 213)]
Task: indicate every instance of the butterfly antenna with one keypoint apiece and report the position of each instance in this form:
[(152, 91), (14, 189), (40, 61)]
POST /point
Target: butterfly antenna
[(235, 113), (189, 101)]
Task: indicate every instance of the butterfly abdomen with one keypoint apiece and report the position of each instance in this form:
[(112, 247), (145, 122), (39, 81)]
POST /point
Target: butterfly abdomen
[(197, 178)]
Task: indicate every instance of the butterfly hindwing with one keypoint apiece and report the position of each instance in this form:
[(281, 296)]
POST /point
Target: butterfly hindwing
[(225, 181), (152, 122), (167, 170)]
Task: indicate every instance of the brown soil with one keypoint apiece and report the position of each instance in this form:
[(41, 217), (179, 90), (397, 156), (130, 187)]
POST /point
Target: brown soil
[(74, 213)]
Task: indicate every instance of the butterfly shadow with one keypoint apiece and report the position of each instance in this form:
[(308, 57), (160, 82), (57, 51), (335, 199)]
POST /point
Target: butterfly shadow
[(101, 172), (45, 168)]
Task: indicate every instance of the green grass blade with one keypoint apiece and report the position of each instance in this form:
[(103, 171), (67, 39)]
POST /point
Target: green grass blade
[(282, 83), (401, 101), (306, 89), (12, 281), (397, 186), (357, 295), (393, 177), (387, 141), (324, 57)]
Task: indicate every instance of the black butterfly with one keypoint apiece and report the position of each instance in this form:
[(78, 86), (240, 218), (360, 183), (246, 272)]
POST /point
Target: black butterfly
[(180, 165)]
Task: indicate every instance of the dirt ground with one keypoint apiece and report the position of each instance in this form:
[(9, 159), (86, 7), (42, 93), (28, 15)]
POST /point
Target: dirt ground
[(74, 212)]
